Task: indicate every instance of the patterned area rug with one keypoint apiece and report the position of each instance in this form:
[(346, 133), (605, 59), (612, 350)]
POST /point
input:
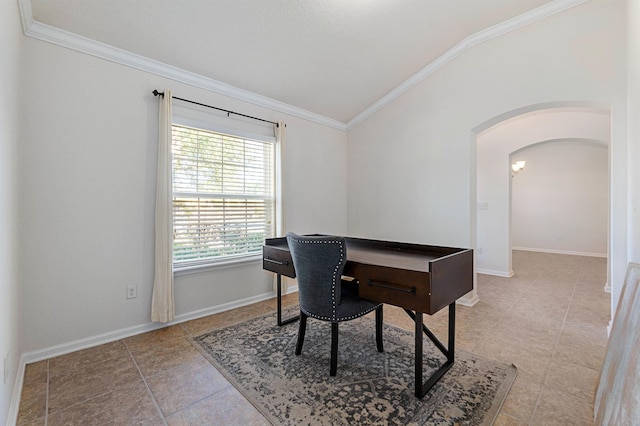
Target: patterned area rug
[(371, 388)]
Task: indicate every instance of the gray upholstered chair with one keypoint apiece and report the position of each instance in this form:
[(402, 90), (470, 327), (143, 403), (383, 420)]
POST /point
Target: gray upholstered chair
[(319, 262)]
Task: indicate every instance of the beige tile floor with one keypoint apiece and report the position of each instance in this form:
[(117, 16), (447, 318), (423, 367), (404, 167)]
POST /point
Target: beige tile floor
[(549, 320)]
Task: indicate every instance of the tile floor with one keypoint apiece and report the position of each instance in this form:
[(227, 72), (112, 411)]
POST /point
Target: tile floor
[(549, 320)]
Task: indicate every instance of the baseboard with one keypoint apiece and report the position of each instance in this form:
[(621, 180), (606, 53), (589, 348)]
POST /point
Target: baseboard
[(14, 406), (469, 299), (494, 272), (65, 348), (111, 336), (553, 251)]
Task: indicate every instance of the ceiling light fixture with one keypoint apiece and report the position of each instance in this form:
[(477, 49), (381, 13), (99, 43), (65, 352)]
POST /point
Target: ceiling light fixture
[(517, 166)]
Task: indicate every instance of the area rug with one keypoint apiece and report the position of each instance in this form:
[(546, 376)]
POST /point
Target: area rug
[(370, 388)]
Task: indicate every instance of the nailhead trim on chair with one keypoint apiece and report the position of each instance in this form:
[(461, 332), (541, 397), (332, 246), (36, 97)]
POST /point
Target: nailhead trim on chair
[(333, 286), (338, 319)]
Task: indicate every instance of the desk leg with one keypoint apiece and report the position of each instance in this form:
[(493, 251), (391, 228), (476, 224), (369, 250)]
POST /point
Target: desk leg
[(452, 333), (420, 387), (418, 353), (279, 302)]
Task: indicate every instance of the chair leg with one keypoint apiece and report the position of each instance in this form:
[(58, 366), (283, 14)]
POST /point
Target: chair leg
[(301, 331), (379, 318), (334, 348)]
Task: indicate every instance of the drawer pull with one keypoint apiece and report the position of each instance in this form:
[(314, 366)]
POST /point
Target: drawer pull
[(277, 262), (391, 287)]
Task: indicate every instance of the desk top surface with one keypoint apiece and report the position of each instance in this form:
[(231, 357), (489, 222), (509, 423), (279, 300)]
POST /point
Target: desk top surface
[(415, 257)]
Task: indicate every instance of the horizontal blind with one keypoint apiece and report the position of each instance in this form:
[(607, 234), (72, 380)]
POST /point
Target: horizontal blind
[(223, 195)]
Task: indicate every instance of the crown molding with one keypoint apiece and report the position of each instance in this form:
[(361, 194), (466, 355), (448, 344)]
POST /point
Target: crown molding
[(82, 44), (497, 30), (95, 48)]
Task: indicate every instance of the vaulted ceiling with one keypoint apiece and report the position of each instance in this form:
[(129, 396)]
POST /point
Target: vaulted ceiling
[(332, 58)]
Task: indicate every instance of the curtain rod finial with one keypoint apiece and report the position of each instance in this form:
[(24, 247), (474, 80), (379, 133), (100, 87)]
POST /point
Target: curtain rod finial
[(156, 93)]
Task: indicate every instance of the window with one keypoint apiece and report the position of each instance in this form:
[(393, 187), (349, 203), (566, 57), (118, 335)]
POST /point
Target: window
[(223, 196)]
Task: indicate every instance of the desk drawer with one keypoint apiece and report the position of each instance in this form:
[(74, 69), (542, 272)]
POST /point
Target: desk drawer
[(399, 287), (278, 261)]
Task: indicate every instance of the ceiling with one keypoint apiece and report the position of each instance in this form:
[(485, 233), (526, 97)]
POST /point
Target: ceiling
[(333, 58)]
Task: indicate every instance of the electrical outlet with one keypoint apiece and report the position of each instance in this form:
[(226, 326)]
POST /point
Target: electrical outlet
[(132, 292), (479, 251)]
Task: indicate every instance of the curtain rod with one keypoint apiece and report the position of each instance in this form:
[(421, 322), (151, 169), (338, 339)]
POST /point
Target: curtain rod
[(156, 93)]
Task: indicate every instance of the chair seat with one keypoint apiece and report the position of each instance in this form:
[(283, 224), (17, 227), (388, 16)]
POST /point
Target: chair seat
[(350, 307)]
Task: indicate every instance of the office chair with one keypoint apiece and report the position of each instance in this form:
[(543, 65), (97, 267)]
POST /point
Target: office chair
[(319, 262)]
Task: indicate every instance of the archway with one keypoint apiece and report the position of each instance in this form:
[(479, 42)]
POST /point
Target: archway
[(508, 133)]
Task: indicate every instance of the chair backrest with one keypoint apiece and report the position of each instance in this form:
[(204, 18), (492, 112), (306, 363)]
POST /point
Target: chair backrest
[(319, 262)]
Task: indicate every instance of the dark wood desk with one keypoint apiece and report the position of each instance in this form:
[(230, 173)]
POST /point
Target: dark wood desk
[(421, 279)]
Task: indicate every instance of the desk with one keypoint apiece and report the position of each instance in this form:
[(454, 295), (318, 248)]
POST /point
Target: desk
[(421, 279)]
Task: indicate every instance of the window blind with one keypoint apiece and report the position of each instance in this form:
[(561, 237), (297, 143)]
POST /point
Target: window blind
[(223, 195)]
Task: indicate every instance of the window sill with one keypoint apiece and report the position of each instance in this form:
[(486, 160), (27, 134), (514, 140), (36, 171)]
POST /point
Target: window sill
[(231, 263)]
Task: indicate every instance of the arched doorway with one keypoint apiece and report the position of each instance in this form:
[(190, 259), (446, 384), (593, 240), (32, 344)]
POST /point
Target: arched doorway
[(493, 142)]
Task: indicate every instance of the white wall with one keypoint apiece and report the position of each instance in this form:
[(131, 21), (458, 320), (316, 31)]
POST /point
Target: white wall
[(633, 113), (10, 324), (88, 185), (560, 200), (412, 165), (493, 164)]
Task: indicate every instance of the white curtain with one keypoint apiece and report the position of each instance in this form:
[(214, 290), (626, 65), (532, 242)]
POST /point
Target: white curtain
[(279, 131), (162, 302)]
